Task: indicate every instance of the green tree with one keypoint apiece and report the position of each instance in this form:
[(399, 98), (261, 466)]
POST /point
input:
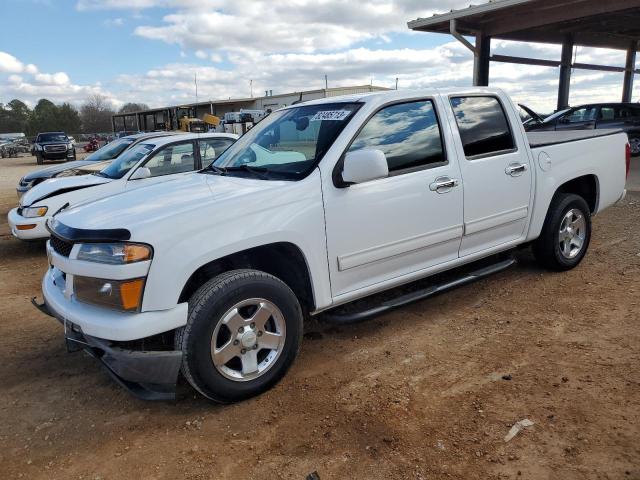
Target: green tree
[(14, 117), (69, 118), (44, 117)]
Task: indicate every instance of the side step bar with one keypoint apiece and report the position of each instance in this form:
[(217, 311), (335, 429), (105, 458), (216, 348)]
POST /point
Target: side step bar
[(355, 317)]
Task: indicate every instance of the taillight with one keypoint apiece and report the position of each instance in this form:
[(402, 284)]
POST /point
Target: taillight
[(627, 158)]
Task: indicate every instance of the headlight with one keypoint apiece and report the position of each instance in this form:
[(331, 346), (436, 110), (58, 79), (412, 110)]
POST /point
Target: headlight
[(70, 146), (38, 147), (125, 295), (33, 212), (115, 253)]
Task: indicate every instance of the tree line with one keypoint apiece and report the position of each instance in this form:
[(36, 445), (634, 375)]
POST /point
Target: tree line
[(93, 116)]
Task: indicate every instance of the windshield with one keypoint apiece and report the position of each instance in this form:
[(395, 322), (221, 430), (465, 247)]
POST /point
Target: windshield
[(286, 144), (110, 150), (52, 137), (125, 162), (553, 116)]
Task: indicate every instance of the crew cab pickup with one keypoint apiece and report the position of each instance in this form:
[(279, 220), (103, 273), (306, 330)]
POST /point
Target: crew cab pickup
[(320, 204)]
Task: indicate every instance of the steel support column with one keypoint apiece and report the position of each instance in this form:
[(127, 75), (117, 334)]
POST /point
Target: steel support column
[(481, 61), (630, 66), (565, 72)]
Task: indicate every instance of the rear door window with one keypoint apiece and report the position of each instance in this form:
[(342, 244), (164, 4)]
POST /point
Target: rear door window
[(483, 126)]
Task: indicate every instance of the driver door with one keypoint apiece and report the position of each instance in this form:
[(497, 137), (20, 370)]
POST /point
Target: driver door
[(174, 159)]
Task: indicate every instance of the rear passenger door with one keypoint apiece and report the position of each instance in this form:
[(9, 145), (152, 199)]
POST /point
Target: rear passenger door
[(385, 229), (496, 172)]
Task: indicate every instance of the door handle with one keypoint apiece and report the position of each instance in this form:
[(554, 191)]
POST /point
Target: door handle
[(443, 184), (515, 169)]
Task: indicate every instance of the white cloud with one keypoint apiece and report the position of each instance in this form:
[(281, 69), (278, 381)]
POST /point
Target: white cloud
[(201, 54), (26, 82)]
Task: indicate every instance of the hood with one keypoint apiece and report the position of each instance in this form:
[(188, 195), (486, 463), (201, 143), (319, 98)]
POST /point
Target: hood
[(55, 186), (54, 142), (136, 208), (48, 172)]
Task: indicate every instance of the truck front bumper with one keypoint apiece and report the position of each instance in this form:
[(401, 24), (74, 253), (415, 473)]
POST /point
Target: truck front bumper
[(30, 228), (107, 335)]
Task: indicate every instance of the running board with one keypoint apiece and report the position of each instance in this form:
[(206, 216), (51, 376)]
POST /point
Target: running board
[(349, 318)]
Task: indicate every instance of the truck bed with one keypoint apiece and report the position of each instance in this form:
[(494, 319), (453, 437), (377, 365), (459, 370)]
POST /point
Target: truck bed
[(543, 139)]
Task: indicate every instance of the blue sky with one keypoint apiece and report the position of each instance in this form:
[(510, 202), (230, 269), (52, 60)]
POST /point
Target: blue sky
[(150, 50)]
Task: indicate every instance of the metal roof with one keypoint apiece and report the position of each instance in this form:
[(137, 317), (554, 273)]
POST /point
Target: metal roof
[(593, 23)]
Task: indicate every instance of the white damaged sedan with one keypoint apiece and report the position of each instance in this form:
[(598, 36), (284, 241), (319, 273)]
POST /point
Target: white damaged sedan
[(158, 160)]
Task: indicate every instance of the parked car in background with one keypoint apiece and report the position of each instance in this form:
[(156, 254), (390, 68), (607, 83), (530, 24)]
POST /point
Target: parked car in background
[(624, 116), (150, 161), (96, 161), (53, 146), (320, 204)]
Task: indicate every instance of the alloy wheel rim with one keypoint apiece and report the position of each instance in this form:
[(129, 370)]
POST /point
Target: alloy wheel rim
[(572, 233), (248, 340), (635, 145)]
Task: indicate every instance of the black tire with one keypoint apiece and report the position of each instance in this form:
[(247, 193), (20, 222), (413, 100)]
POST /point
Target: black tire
[(208, 305), (39, 159), (547, 248)]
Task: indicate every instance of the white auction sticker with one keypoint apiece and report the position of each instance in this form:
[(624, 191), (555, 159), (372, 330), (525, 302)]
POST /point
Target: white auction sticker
[(330, 115)]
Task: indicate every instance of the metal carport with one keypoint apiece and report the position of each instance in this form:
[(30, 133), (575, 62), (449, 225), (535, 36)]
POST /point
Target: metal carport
[(611, 24)]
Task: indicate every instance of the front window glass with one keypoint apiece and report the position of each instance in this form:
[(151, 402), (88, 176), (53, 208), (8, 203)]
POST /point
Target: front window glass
[(172, 159), (407, 133), (585, 114), (212, 148), (125, 162), (110, 150), (288, 143), (52, 137)]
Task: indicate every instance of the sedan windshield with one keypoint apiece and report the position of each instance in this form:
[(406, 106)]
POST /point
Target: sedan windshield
[(287, 144), (52, 137), (125, 162), (110, 150)]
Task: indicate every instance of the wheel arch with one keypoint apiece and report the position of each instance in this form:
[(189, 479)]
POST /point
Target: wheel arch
[(586, 186), (283, 260)]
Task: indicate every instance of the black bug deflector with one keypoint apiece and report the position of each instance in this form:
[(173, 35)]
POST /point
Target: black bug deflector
[(149, 375)]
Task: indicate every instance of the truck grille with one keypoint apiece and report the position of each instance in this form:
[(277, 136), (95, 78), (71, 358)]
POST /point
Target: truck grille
[(55, 148), (60, 246)]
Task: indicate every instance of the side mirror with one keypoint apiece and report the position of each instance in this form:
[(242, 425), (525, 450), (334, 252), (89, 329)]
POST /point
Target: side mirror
[(140, 173), (364, 165)]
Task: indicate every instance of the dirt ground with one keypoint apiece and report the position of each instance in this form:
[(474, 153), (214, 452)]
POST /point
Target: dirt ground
[(426, 392)]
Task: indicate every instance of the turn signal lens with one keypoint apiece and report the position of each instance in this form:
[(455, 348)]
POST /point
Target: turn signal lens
[(131, 294), (627, 159), (26, 227), (136, 253)]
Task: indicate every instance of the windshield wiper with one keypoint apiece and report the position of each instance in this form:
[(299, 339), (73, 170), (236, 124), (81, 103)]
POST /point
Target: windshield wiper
[(100, 174), (216, 170), (261, 172)]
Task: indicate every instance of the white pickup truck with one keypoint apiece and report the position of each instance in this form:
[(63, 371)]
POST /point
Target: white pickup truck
[(320, 204)]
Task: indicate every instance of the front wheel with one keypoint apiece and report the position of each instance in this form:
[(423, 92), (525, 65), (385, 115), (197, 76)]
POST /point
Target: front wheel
[(39, 159), (243, 333), (634, 143), (566, 233)]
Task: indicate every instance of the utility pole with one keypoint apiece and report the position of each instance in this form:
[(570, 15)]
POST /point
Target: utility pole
[(396, 83), (251, 87), (326, 82)]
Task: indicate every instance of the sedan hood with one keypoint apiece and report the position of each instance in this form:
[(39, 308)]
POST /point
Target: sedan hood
[(54, 186), (48, 172), (171, 199)]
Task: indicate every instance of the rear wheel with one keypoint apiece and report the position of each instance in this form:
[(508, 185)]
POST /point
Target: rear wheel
[(634, 143), (566, 233), (243, 333)]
